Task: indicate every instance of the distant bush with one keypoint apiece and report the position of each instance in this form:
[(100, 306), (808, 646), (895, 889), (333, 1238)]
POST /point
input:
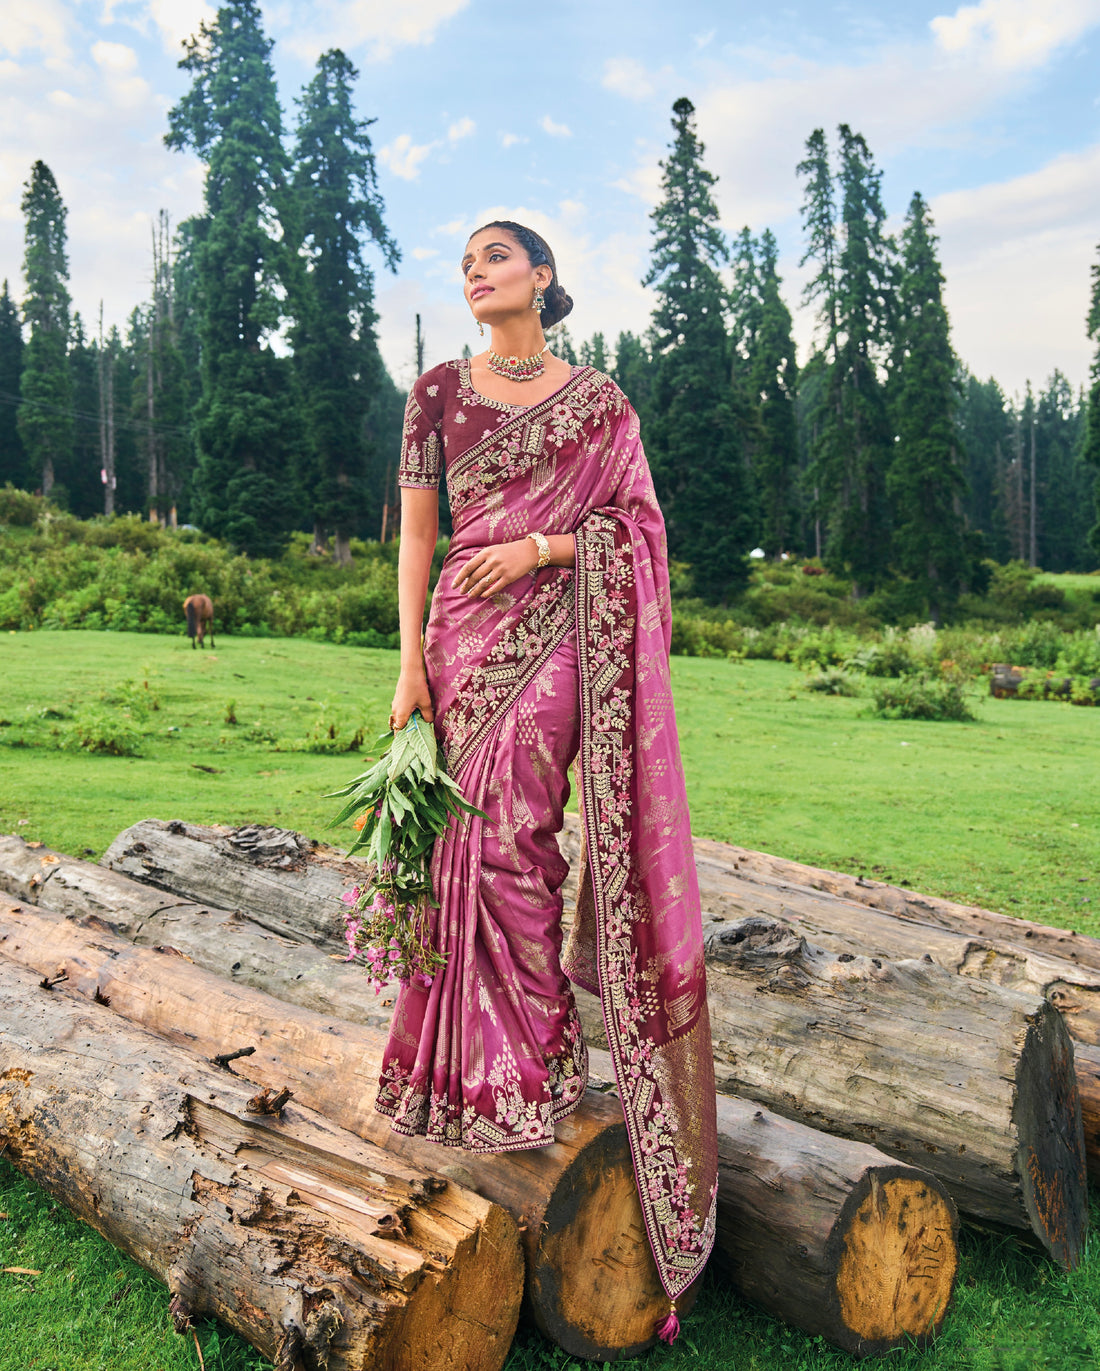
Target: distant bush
[(833, 682), (19, 508), (128, 575), (921, 697)]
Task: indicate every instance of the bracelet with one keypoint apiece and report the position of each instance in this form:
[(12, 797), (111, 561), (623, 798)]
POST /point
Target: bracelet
[(544, 549)]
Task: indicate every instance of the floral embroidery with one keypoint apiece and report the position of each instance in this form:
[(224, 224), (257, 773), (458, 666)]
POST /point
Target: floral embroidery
[(519, 1124), (492, 685), (675, 1187)]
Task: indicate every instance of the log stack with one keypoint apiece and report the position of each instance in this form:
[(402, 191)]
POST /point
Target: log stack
[(971, 1073), (320, 1249), (589, 1271), (828, 1231)]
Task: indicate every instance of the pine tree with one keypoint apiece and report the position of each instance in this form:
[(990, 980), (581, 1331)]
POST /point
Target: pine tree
[(45, 415), (1091, 449), (247, 422), (633, 373), (772, 383), (853, 286), (78, 474), (12, 457), (1065, 481), (337, 206), (594, 352), (694, 440), (561, 343), (985, 431), (925, 480)]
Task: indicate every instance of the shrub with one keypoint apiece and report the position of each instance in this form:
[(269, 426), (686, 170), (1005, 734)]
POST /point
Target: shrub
[(832, 682), (19, 508), (921, 697), (95, 730)]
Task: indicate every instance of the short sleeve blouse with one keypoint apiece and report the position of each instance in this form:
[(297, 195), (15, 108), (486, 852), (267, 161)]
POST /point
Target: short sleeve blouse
[(421, 462)]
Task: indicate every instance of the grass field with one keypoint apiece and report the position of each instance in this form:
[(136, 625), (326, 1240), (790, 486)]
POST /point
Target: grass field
[(1001, 812)]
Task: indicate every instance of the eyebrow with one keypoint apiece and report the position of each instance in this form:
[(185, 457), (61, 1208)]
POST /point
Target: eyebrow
[(487, 247)]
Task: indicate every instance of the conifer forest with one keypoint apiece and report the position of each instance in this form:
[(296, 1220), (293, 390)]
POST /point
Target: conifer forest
[(247, 394)]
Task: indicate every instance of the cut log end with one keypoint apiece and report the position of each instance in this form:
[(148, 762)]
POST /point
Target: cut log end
[(897, 1262), (598, 1296), (1051, 1148)]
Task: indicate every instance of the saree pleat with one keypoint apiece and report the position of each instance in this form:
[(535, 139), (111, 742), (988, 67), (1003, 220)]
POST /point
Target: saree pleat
[(490, 1056), (562, 664)]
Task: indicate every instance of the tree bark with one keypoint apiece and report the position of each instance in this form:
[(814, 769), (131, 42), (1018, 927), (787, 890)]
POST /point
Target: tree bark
[(575, 1201), (318, 1248)]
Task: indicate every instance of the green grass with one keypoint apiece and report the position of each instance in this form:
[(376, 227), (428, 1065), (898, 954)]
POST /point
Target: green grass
[(1002, 812)]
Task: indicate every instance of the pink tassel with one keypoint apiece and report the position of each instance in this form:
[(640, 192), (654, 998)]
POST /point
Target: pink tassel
[(669, 1329)]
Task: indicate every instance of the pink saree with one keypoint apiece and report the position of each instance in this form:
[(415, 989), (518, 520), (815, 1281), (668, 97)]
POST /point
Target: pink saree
[(560, 665)]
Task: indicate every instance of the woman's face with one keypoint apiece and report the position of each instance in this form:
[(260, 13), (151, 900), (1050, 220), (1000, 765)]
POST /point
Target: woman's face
[(499, 278)]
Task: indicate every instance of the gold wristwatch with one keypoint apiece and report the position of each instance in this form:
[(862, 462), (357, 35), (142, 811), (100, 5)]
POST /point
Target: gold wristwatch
[(544, 549)]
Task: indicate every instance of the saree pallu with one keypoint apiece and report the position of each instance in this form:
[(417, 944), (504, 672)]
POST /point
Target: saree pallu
[(561, 664)]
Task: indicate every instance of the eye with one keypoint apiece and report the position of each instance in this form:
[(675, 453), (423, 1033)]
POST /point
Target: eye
[(497, 256)]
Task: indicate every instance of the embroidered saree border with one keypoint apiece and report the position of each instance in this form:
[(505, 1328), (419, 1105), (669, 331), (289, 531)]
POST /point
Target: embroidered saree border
[(657, 1080)]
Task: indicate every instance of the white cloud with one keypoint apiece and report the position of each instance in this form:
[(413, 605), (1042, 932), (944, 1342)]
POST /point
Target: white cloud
[(178, 20), (509, 140), (403, 156), (462, 128), (626, 76), (119, 63), (354, 24), (1016, 255), (1013, 35), (38, 27), (423, 254), (555, 130)]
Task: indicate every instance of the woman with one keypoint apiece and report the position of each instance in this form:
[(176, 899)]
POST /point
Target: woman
[(547, 641)]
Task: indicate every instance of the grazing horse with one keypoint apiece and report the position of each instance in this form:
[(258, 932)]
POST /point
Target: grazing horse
[(200, 612)]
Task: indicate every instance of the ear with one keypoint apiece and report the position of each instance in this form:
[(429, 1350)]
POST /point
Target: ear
[(543, 276)]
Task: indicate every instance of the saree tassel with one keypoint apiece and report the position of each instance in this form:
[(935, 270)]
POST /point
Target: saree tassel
[(668, 1330)]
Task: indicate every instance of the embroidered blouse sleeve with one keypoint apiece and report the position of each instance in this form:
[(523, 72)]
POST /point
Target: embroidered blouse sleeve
[(421, 440)]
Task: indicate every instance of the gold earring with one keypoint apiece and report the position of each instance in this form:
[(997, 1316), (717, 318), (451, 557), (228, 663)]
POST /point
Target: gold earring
[(481, 328), (539, 302)]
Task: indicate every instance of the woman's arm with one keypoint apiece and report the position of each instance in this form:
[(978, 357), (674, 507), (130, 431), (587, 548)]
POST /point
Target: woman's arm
[(494, 568), (419, 532)]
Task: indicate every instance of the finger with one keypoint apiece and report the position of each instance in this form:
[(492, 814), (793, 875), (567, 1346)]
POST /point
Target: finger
[(469, 568)]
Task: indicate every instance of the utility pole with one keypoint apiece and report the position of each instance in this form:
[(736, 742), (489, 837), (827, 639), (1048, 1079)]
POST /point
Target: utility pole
[(106, 422), (419, 349), (1034, 547)]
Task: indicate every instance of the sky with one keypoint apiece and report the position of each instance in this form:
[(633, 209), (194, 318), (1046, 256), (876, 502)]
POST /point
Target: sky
[(558, 115)]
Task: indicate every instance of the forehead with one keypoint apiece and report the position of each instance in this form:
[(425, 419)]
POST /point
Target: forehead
[(488, 238)]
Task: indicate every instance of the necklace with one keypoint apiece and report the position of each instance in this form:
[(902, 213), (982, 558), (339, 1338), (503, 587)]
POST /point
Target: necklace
[(517, 368)]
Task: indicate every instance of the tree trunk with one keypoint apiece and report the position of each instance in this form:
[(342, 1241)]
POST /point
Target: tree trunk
[(591, 1305), (974, 1081), (790, 1199), (320, 1249), (832, 1236)]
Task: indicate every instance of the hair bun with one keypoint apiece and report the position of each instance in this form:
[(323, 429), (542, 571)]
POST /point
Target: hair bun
[(557, 305)]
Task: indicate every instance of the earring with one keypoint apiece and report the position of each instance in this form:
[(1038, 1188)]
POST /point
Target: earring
[(481, 328), (539, 302)]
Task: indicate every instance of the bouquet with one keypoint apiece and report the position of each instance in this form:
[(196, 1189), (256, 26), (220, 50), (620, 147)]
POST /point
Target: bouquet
[(404, 802)]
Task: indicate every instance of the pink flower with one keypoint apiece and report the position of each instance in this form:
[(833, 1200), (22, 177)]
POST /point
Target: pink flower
[(350, 896)]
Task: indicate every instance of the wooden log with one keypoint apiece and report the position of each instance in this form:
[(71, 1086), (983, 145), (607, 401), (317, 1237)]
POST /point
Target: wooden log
[(828, 1234), (318, 1248), (794, 1200), (1087, 1069), (975, 1081), (831, 909), (575, 1201)]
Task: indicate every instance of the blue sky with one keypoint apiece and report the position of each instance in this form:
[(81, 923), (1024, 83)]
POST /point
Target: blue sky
[(559, 115)]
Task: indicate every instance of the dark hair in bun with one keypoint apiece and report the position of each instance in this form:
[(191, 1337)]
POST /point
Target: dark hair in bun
[(558, 304)]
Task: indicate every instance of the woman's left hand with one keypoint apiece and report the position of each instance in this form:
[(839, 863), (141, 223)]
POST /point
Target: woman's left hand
[(494, 568)]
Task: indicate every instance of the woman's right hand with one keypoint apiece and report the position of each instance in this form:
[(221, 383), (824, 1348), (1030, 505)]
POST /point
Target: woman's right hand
[(411, 693)]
